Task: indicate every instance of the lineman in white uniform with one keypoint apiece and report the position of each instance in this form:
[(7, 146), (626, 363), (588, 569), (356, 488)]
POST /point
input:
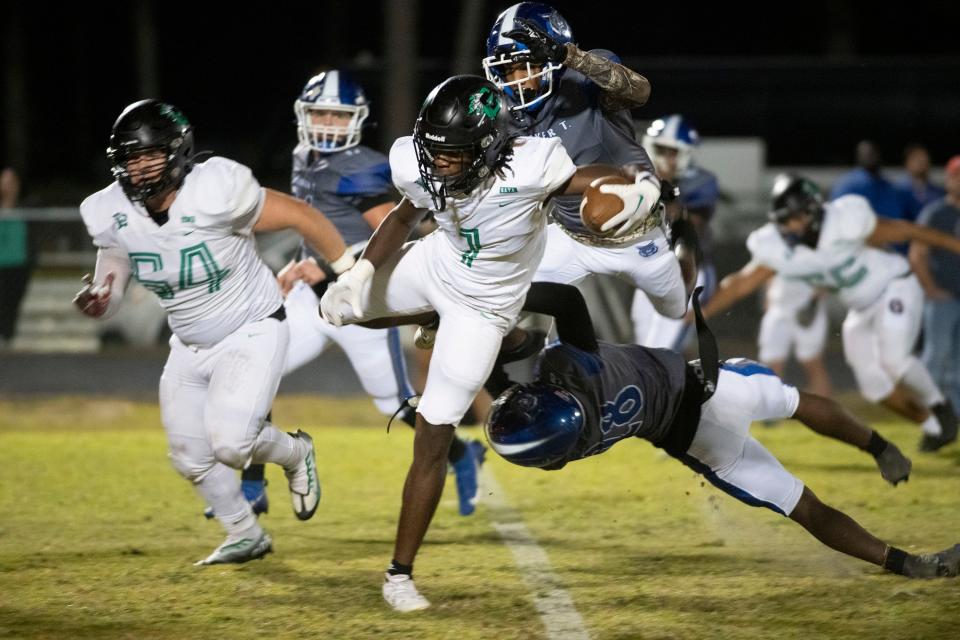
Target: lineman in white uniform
[(488, 191), (185, 231), (829, 246)]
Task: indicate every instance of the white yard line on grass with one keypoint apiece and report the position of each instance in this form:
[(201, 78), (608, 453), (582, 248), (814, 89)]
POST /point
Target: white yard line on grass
[(553, 603)]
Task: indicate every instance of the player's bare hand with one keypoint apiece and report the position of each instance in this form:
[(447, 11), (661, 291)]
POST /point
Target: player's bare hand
[(93, 300), (307, 270)]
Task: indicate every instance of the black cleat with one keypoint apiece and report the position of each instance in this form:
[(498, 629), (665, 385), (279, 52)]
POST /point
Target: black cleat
[(894, 466)]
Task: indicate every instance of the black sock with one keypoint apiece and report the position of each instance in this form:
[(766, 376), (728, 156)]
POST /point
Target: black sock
[(457, 448), (253, 472), (397, 569), (895, 560), (877, 444)]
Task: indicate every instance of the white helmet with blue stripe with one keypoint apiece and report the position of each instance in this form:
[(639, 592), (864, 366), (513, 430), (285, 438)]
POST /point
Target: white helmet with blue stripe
[(671, 132), (504, 53), (330, 112)]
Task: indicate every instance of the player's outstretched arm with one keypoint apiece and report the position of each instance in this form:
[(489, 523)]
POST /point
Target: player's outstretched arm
[(392, 232), (622, 88), (282, 211), (890, 231), (736, 286)]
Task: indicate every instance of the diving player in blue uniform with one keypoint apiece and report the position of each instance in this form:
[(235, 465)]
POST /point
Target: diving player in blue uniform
[(672, 141), (589, 395), (353, 186)]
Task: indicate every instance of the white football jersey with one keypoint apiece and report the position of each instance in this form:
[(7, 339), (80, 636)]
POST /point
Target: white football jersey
[(203, 263), (495, 235), (841, 261)]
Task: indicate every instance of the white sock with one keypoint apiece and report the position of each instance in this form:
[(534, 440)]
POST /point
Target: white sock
[(931, 426), (221, 490), (278, 447), (919, 380)]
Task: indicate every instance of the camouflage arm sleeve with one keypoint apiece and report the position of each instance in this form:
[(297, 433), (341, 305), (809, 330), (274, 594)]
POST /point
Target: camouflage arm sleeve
[(622, 88)]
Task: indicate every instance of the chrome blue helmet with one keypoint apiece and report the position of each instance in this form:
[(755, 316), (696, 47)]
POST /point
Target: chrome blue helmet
[(503, 53), (330, 112), (535, 424), (673, 132)]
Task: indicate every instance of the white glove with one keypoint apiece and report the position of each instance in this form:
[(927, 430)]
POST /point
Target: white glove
[(348, 289), (638, 198)]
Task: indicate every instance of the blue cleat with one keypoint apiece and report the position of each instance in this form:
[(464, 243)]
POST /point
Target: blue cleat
[(466, 470), (255, 491)]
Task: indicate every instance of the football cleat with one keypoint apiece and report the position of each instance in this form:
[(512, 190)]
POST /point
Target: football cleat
[(894, 466), (401, 594), (945, 415), (943, 564), (304, 481), (466, 471), (239, 551), (255, 491)]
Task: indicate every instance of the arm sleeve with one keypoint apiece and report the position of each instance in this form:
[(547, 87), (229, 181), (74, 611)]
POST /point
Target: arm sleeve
[(112, 260)]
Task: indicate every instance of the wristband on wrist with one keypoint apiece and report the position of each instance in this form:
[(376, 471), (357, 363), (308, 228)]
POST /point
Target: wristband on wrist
[(342, 263)]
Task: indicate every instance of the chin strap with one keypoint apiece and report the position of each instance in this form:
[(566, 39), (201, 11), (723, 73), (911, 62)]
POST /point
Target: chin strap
[(708, 367)]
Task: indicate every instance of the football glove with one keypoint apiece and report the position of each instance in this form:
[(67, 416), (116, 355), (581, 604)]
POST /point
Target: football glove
[(639, 199), (348, 289), (542, 47)]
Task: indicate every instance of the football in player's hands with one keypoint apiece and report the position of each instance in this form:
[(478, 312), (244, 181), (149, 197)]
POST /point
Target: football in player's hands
[(597, 207)]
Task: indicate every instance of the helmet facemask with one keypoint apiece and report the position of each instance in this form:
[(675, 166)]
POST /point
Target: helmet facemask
[(327, 138), (436, 180), (497, 67), (795, 197), (147, 171)]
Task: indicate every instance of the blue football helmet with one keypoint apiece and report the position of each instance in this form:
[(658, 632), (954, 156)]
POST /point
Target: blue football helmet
[(535, 424), (673, 132), (503, 53), (330, 112)]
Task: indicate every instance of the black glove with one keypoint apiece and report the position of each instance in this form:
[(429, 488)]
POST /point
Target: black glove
[(542, 47)]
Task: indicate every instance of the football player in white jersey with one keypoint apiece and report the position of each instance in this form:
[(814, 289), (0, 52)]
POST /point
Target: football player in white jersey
[(837, 246), (184, 230), (795, 321), (350, 182), (488, 189)]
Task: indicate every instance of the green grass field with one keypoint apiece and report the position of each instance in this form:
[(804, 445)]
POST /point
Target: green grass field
[(99, 534)]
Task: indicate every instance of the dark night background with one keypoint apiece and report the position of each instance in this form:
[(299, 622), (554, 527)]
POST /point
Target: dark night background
[(810, 78)]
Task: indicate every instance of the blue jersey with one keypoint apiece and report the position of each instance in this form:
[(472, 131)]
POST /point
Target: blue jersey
[(699, 193), (589, 134), (626, 391), (342, 185)]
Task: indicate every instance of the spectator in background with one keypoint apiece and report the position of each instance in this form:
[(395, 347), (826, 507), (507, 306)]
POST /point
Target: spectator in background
[(15, 262), (939, 274), (867, 181), (915, 185)]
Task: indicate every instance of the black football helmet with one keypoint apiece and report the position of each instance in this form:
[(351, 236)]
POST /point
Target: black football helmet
[(144, 127), (465, 117), (794, 195), (535, 424)]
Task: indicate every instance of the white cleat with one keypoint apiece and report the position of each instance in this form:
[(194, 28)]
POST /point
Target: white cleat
[(304, 481), (239, 551), (401, 594)]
